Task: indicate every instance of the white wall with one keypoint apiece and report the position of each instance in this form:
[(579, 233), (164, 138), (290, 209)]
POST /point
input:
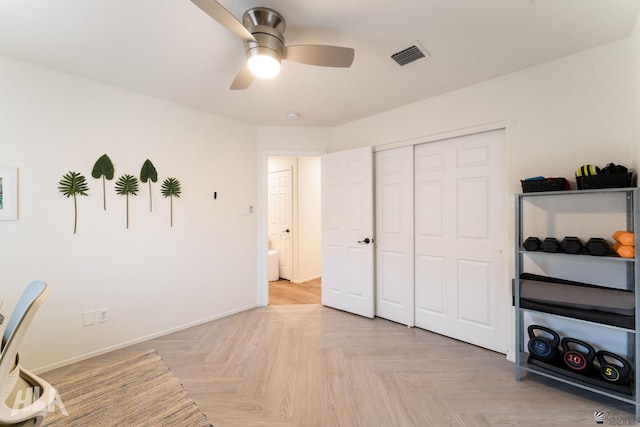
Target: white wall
[(559, 115), (635, 81), (309, 221), (151, 277)]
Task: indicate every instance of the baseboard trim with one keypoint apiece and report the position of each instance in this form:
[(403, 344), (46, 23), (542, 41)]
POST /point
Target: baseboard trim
[(104, 350), (306, 279)]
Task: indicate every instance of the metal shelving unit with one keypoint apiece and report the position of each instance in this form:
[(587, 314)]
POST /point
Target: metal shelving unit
[(632, 275)]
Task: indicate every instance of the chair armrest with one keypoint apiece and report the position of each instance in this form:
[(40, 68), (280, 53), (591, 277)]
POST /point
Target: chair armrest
[(27, 403)]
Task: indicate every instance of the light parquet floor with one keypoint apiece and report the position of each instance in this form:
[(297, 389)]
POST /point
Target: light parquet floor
[(284, 292), (309, 365)]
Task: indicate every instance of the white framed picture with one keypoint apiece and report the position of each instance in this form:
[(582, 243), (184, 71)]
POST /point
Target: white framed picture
[(8, 193)]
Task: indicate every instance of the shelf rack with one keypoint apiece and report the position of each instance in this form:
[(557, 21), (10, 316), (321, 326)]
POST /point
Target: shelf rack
[(631, 395)]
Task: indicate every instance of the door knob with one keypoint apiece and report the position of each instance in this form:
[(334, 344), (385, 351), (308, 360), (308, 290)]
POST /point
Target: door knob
[(366, 241), (287, 230)]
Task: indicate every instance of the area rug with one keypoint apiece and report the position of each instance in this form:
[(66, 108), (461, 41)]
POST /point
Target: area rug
[(139, 391)]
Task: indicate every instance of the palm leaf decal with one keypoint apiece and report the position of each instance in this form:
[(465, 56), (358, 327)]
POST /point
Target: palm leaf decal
[(171, 188), (126, 185), (149, 173), (73, 184), (103, 168)]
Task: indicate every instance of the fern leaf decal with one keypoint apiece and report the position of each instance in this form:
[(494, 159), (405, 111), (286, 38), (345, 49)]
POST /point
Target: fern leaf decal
[(171, 188), (73, 184), (103, 168), (149, 173), (125, 186)]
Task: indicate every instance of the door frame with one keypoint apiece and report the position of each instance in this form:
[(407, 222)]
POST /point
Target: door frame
[(262, 216)]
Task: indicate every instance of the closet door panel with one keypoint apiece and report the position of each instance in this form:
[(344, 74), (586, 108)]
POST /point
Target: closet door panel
[(394, 235), (460, 216)]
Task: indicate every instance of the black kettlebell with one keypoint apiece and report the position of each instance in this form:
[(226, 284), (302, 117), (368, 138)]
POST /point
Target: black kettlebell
[(541, 347), (580, 361), (617, 373)]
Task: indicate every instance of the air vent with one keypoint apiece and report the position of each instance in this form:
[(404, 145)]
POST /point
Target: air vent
[(411, 54)]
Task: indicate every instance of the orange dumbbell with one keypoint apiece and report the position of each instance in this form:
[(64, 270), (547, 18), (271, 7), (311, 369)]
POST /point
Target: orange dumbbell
[(626, 238), (624, 251)]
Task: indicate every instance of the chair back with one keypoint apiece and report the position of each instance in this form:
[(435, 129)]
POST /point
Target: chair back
[(17, 325)]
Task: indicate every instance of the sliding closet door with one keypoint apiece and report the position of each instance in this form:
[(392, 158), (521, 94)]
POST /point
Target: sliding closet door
[(394, 235), (461, 285)]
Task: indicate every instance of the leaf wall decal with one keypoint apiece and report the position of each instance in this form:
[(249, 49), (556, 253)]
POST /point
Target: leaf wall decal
[(103, 168), (73, 184), (171, 188), (125, 186), (149, 173)]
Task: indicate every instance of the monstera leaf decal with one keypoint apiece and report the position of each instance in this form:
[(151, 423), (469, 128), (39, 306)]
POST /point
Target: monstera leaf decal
[(103, 168), (73, 184), (171, 188), (149, 173), (126, 185)]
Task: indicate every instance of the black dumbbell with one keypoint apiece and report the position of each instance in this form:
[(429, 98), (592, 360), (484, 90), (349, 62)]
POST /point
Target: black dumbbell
[(531, 244), (572, 245), (577, 360), (597, 246), (617, 373), (541, 347), (551, 244)]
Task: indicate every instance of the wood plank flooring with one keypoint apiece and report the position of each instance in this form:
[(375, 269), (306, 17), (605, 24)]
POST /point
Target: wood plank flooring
[(309, 365), (284, 292)]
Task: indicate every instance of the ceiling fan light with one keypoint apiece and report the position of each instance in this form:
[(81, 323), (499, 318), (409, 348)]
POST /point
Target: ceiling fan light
[(264, 66)]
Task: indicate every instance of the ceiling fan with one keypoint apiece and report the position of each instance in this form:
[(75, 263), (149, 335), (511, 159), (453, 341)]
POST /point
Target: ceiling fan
[(262, 31)]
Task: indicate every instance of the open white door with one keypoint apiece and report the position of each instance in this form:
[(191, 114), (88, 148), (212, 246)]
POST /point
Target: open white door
[(347, 231)]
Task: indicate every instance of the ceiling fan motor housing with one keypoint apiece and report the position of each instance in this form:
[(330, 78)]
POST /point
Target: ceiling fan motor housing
[(267, 26)]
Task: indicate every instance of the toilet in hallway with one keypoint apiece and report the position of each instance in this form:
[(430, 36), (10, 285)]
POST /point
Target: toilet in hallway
[(273, 266)]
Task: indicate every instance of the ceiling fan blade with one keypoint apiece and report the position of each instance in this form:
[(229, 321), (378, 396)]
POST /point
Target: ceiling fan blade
[(243, 80), (324, 56), (224, 18)]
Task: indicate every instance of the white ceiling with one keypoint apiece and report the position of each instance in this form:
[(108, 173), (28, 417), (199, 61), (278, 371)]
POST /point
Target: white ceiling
[(171, 49)]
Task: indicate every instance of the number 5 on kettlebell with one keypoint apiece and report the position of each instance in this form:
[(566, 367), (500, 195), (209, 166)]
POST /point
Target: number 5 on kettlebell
[(619, 372)]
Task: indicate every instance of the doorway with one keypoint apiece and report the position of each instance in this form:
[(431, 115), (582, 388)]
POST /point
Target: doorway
[(293, 229)]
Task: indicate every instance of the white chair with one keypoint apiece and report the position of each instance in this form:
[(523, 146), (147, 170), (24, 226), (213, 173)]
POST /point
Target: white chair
[(25, 398)]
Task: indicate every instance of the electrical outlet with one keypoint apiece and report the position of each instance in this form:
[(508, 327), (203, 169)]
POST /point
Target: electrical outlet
[(89, 318), (103, 315)]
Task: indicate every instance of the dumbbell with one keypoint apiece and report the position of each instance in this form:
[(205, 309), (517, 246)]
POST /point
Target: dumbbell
[(572, 245), (580, 361), (617, 373), (531, 244), (597, 246), (541, 347), (551, 244)]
